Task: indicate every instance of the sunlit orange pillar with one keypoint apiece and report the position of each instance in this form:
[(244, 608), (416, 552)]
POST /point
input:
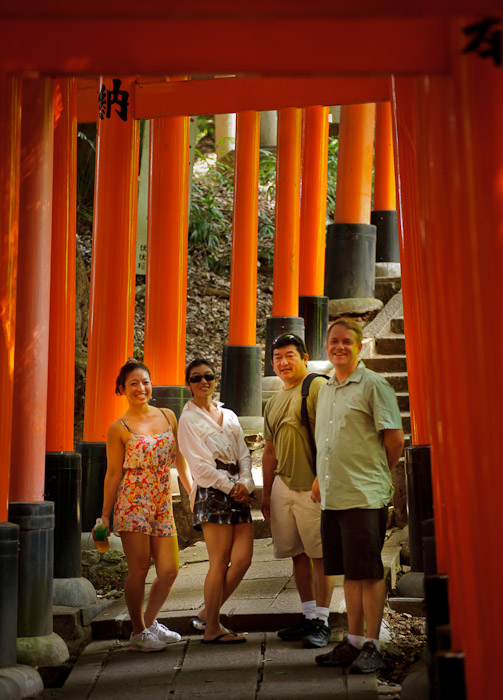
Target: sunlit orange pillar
[(242, 361), (313, 305), (285, 300), (350, 251), (462, 183), (27, 507), (63, 465), (413, 274), (166, 282), (383, 214), (33, 293), (10, 118), (111, 306)]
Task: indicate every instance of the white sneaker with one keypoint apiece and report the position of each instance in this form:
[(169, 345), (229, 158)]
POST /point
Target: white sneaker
[(163, 633), (146, 641)]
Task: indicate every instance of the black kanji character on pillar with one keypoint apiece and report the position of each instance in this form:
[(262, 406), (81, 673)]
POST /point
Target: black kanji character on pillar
[(118, 97), (102, 102), (485, 36)]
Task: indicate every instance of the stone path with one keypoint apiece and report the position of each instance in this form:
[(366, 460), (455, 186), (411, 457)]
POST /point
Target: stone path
[(265, 668)]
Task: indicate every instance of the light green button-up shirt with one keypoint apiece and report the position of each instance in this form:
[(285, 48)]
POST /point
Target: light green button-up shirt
[(352, 465)]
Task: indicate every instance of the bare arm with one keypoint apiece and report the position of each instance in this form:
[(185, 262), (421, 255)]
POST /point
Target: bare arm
[(269, 463), (315, 491), (113, 477), (393, 444), (181, 464)]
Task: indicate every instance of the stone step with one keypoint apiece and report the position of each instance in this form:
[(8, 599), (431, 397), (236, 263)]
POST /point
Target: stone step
[(386, 288), (390, 345), (403, 401), (397, 325), (386, 363), (398, 380)]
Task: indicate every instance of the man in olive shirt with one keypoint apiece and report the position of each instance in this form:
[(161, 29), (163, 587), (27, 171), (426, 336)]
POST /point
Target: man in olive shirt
[(359, 439), (288, 471)]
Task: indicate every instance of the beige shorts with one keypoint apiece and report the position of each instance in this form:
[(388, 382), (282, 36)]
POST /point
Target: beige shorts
[(295, 522)]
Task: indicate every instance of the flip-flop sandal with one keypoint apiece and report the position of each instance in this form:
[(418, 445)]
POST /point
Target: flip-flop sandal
[(220, 639), (197, 624), (200, 625)]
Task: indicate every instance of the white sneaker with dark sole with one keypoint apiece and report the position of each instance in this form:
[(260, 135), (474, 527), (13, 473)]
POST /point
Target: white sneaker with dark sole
[(163, 633), (146, 641)]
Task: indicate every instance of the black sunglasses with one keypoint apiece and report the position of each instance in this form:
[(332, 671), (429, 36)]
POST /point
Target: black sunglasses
[(197, 378)]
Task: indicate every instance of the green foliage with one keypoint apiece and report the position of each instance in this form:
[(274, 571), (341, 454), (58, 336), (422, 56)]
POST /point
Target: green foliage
[(210, 220), (205, 125), (86, 158), (333, 150), (210, 225)]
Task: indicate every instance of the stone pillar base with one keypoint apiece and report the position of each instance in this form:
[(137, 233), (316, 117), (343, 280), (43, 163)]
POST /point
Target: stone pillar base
[(20, 681), (49, 650)]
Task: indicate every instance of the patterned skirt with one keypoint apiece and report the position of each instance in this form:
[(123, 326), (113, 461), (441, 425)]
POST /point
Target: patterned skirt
[(215, 506)]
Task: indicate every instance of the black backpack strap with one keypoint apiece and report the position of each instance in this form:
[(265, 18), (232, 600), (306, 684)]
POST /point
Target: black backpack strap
[(304, 415)]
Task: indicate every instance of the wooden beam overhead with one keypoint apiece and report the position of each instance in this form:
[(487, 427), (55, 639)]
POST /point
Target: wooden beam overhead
[(63, 44), (226, 95)]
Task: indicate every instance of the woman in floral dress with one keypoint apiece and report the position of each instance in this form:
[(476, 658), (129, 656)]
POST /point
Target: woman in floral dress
[(141, 449)]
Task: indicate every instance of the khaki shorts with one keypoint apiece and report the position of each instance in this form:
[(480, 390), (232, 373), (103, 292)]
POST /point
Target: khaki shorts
[(295, 522)]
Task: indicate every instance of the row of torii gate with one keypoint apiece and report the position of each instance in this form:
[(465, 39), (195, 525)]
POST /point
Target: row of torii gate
[(441, 74)]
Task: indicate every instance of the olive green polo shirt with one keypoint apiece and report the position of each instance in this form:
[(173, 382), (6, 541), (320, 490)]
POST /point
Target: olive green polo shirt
[(352, 465), (282, 425)]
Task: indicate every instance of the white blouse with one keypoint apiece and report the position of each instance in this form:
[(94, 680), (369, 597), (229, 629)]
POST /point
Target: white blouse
[(202, 441)]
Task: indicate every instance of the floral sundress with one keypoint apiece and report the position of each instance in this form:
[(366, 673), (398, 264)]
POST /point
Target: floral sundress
[(143, 501)]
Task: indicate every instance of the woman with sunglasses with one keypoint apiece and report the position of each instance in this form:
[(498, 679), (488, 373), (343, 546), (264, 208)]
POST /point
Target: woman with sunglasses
[(212, 442)]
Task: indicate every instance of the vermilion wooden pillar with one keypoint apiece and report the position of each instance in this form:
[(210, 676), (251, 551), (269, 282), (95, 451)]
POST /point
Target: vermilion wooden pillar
[(313, 306), (27, 507), (463, 186), (63, 472), (242, 362), (384, 209), (10, 118), (285, 300), (166, 284), (33, 293), (60, 401), (350, 253), (412, 262), (111, 307)]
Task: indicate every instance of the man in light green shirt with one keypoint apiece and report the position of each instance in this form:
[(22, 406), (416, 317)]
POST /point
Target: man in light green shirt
[(359, 439), (288, 470)]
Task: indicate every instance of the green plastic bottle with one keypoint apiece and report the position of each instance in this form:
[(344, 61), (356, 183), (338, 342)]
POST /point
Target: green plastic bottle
[(100, 533)]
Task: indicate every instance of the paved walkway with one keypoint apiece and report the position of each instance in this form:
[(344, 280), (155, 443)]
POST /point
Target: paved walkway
[(263, 668)]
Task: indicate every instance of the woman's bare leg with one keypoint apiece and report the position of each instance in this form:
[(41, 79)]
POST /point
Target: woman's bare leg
[(239, 558), (137, 550), (218, 540), (165, 556)]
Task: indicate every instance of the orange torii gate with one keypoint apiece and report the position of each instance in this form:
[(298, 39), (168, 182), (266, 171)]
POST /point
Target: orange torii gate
[(447, 103)]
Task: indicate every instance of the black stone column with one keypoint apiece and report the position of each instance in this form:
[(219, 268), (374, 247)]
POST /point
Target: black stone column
[(94, 468), (9, 547), (36, 565), (63, 485), (386, 223), (350, 261), (241, 381), (314, 311)]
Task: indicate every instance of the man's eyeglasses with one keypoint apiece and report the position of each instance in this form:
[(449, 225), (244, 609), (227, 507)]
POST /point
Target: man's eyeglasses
[(209, 377)]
